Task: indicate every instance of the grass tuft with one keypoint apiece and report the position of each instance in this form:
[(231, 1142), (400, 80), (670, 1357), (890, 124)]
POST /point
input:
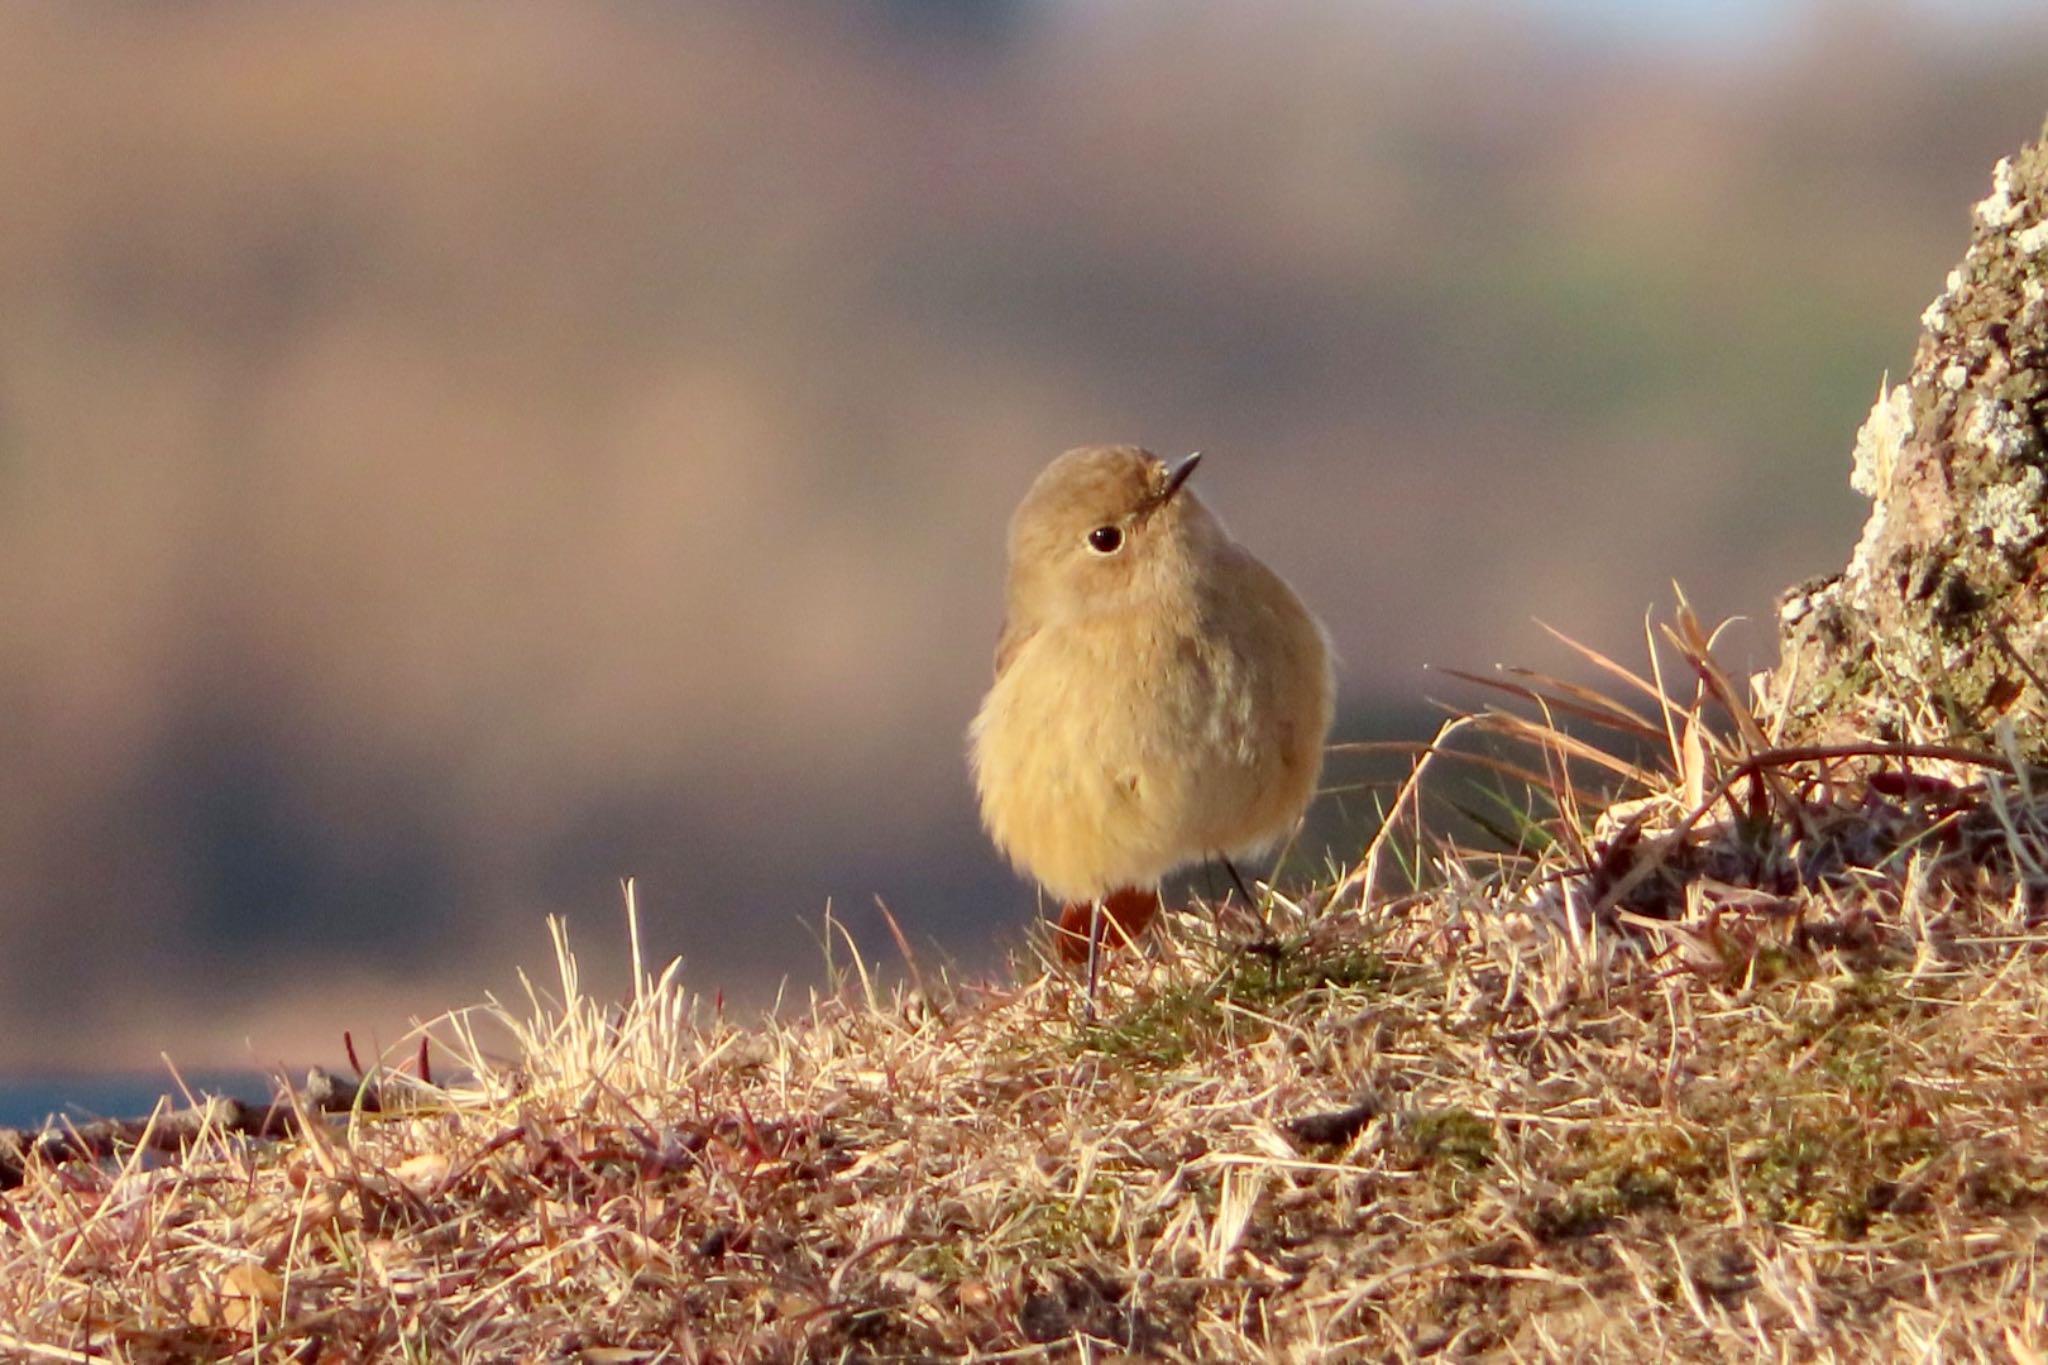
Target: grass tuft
[(1692, 1048)]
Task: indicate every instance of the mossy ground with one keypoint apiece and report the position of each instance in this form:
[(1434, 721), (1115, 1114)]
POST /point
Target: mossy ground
[(1703, 1078)]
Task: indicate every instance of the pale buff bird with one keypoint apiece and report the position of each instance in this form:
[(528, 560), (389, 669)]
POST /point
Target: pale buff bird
[(1161, 696)]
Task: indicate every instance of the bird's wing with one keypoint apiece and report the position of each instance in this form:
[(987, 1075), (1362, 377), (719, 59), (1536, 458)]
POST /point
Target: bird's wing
[(1016, 634)]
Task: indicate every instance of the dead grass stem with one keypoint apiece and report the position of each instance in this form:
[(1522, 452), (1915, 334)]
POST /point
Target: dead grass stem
[(1742, 1061)]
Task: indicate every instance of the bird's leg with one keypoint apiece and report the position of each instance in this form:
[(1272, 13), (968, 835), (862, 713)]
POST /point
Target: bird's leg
[(1094, 948), (1266, 944), (1243, 890)]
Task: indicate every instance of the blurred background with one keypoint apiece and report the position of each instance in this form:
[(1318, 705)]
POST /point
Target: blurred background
[(448, 464)]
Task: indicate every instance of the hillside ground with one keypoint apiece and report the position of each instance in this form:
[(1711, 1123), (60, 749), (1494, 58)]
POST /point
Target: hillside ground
[(1741, 1059)]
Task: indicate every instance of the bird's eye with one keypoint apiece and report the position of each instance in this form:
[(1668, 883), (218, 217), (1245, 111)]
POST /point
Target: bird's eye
[(1106, 540)]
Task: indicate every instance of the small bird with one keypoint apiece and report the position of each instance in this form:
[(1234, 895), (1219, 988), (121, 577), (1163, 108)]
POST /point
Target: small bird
[(1161, 696)]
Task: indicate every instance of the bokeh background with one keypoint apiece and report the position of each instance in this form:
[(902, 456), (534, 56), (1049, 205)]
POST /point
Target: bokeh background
[(451, 460)]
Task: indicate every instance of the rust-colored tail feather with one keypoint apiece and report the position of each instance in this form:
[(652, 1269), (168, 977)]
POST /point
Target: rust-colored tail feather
[(1125, 914)]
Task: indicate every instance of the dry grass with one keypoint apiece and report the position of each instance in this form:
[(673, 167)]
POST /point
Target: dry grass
[(1747, 1066)]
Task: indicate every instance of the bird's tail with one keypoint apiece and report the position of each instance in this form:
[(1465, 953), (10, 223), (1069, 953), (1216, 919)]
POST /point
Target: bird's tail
[(1125, 914)]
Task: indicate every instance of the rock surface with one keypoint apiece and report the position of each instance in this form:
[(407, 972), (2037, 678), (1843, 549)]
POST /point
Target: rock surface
[(1936, 630)]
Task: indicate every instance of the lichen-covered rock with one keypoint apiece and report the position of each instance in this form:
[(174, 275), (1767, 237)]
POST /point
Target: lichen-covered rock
[(1936, 630)]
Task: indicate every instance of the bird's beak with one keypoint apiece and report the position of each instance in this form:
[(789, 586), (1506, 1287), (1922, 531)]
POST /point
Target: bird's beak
[(1179, 477)]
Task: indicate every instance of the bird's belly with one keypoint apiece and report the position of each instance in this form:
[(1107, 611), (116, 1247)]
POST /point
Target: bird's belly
[(1097, 773)]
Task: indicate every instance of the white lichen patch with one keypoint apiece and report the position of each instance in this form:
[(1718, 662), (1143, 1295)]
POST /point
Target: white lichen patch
[(1878, 442), (1935, 318), (1996, 429), (2032, 241), (1861, 572), (2009, 514), (2002, 207)]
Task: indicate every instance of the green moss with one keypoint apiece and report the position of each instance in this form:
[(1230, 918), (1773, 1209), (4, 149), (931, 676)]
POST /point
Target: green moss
[(942, 1262), (1162, 1032), (1284, 975), (1596, 1203), (2004, 1184), (1456, 1137), (1059, 1226), (1832, 1175), (1846, 682), (1159, 1034), (1615, 1174)]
